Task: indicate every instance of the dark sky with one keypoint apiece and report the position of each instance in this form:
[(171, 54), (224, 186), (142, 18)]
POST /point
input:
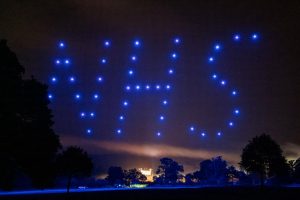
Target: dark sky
[(265, 72)]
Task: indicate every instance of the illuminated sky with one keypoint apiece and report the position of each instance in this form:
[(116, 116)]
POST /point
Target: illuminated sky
[(265, 73)]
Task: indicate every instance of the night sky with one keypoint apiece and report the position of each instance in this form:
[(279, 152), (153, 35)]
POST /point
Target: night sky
[(265, 72)]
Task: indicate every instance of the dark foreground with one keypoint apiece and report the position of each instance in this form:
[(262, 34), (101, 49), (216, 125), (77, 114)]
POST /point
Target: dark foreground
[(222, 193)]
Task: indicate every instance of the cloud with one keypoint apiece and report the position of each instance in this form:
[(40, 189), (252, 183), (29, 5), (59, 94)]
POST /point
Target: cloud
[(148, 150), (292, 151)]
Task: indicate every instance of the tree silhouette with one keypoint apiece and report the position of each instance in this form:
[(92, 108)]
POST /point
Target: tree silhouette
[(74, 162), (134, 176), (169, 171), (115, 175), (27, 141), (262, 155), (296, 170)]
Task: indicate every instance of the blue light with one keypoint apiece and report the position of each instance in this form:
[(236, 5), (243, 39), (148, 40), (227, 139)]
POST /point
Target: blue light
[(61, 45), (127, 87), (223, 82), (214, 76), (165, 102), (133, 58), (77, 96), (106, 43), (236, 111), (171, 71), (161, 118), (219, 133), (130, 72), (231, 124), (121, 118), (50, 96), (236, 37), (254, 36), (125, 103), (217, 47), (72, 79), (192, 128), (176, 40), (174, 55), (168, 87), (137, 87), (53, 79), (158, 133), (57, 62), (99, 79), (119, 131), (147, 87), (92, 114), (157, 87), (210, 59), (89, 131), (234, 93), (103, 61), (67, 61), (203, 134), (96, 96), (82, 114), (137, 43)]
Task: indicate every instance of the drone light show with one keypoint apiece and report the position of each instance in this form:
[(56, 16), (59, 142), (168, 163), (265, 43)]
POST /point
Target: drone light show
[(135, 87)]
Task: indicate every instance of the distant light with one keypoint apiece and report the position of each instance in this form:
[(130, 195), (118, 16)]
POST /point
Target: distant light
[(119, 131), (53, 79), (82, 114), (106, 43), (236, 37), (219, 133), (174, 55), (236, 111), (72, 79), (133, 58), (254, 36), (99, 79), (203, 134), (192, 128), (50, 96), (96, 96), (231, 124), (217, 47), (147, 87), (89, 131), (176, 40), (157, 87), (121, 117), (103, 61), (234, 92), (165, 102), (77, 96), (57, 62), (137, 43), (67, 61), (210, 59), (171, 71), (214, 76), (127, 87), (168, 87), (125, 103), (137, 87), (158, 133), (92, 114), (161, 118), (61, 45), (223, 82), (130, 72)]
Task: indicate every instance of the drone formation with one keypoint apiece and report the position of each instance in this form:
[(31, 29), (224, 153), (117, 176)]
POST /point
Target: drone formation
[(161, 87)]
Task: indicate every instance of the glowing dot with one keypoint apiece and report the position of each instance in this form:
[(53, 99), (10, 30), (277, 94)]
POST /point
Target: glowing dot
[(125, 103), (96, 96), (99, 79), (77, 96), (67, 61), (176, 40), (137, 87), (158, 133), (61, 45), (161, 118), (82, 114), (217, 47), (171, 71), (231, 124), (157, 87), (236, 111), (214, 76), (119, 131), (192, 128), (121, 117), (92, 114), (103, 60), (72, 79), (133, 58), (219, 133), (236, 37), (50, 96), (168, 87), (165, 102), (254, 36), (147, 87), (137, 43), (203, 134), (174, 55), (53, 79), (130, 72), (223, 82), (106, 43), (210, 59), (89, 131), (57, 62), (127, 87), (234, 92)]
